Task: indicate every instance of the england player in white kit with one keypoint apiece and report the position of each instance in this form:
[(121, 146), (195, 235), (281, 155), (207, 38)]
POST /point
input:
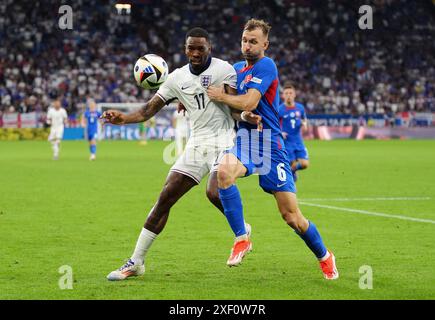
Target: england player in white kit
[(212, 131), (56, 118)]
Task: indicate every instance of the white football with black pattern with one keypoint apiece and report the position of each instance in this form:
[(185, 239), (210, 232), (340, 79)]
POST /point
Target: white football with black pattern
[(150, 71)]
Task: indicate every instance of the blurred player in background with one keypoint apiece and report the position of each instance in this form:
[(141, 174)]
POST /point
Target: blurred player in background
[(57, 119), (257, 86), (90, 122), (292, 119), (180, 123), (212, 131)]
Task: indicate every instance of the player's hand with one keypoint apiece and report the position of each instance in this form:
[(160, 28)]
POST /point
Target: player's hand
[(253, 118), (181, 108), (113, 117), (284, 135), (216, 93)]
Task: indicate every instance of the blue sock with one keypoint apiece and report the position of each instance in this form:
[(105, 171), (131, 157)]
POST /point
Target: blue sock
[(93, 149), (314, 241), (233, 209), (298, 166)]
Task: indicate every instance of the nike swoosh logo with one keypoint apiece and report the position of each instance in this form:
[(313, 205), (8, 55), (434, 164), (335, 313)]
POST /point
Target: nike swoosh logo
[(280, 185), (183, 88)]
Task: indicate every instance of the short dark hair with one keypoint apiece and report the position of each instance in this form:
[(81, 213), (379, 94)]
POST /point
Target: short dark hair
[(288, 85), (253, 24), (198, 33)]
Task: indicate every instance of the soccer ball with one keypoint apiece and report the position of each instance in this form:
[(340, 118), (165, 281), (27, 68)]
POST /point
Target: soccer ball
[(150, 71)]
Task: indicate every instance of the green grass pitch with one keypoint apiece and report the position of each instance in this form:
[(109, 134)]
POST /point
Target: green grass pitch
[(87, 215)]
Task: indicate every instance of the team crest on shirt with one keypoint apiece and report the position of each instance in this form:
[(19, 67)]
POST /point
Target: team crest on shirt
[(298, 114), (205, 80), (245, 81)]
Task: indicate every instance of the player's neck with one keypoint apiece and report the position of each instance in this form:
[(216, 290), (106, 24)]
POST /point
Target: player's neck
[(198, 70), (290, 105), (254, 61)]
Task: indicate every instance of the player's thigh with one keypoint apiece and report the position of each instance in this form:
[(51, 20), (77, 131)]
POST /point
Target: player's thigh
[(230, 168), (56, 134), (192, 163), (277, 176), (176, 185), (59, 134)]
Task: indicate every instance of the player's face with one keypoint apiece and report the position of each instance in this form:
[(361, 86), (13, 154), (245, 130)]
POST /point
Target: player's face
[(289, 95), (92, 106), (197, 51), (56, 104), (254, 43)]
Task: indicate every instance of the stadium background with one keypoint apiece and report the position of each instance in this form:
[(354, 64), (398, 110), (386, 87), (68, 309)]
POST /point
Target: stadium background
[(345, 76)]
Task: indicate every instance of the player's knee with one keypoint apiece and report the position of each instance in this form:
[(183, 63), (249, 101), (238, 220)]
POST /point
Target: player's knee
[(305, 164), (225, 179), (293, 220), (166, 199)]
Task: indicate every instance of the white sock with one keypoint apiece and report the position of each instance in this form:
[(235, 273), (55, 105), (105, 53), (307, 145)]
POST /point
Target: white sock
[(144, 242), (325, 257), (242, 237), (55, 148)]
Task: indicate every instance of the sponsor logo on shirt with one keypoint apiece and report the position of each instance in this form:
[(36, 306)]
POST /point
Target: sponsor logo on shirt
[(256, 80)]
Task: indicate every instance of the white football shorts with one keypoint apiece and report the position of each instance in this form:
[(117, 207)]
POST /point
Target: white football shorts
[(198, 161), (55, 133)]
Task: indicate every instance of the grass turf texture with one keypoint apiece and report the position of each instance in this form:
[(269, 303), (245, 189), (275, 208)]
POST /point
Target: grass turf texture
[(88, 215)]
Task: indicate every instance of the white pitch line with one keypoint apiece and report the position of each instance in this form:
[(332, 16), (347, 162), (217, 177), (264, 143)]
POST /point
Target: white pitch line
[(370, 199), (379, 214)]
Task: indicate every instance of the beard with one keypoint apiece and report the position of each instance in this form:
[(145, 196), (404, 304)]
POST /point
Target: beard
[(251, 56)]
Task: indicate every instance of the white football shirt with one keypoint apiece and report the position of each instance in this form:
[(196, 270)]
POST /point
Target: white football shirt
[(210, 122), (57, 117)]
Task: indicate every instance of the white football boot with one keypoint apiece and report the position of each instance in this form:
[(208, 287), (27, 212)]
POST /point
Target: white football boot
[(129, 269)]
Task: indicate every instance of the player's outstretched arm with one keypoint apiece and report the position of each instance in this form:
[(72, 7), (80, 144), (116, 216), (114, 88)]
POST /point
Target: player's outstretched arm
[(143, 114), (244, 102)]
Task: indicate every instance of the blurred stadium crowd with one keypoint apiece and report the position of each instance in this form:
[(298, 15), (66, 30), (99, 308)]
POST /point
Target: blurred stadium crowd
[(317, 44)]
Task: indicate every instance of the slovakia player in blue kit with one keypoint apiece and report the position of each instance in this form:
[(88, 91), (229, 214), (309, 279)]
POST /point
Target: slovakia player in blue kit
[(257, 87), (90, 121), (292, 119)]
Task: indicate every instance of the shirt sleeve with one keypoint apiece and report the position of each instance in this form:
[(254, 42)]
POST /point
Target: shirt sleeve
[(167, 91), (229, 76), (263, 75)]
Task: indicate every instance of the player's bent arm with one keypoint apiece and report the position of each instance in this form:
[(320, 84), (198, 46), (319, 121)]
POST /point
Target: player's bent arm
[(245, 102), (151, 108), (145, 113)]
